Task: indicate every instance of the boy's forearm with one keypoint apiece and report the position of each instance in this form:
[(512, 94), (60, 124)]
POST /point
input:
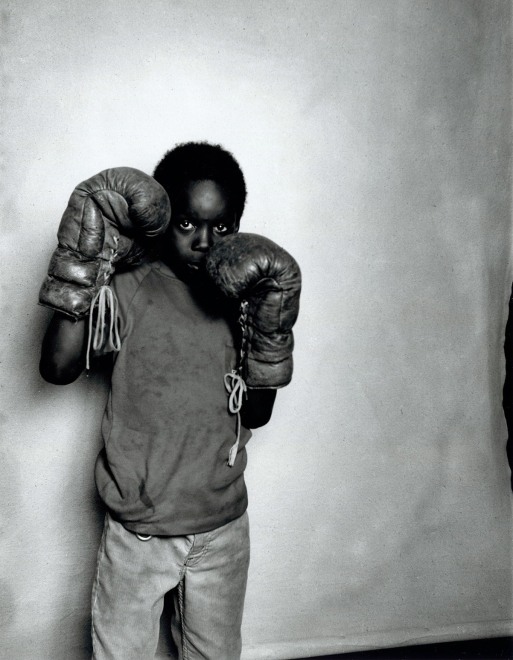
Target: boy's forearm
[(257, 408), (63, 350)]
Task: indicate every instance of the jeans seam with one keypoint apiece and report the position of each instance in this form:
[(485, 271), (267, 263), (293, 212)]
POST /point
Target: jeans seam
[(189, 562), (185, 647)]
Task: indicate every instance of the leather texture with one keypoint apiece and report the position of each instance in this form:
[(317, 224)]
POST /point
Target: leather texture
[(252, 267), (105, 216)]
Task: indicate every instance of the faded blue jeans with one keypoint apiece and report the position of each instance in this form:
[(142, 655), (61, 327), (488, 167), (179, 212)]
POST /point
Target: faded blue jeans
[(208, 574)]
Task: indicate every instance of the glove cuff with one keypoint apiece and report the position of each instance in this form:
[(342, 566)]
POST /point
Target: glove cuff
[(73, 281), (269, 360), (70, 299), (268, 375)]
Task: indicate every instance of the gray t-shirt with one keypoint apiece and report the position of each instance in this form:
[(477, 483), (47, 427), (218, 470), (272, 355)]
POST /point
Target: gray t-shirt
[(167, 429)]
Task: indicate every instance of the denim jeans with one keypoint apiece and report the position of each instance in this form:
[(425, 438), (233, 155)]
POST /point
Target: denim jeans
[(207, 573)]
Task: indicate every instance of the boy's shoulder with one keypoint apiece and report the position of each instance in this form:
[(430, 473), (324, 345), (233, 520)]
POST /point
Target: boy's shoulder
[(139, 280), (127, 282), (133, 274)]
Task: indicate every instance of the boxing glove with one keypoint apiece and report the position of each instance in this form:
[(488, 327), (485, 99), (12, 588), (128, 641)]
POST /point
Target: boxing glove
[(267, 281), (98, 231)]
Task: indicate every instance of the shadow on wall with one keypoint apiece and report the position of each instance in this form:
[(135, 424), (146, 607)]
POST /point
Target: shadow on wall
[(507, 399)]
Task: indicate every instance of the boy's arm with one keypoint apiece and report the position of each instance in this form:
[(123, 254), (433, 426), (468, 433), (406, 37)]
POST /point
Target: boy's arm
[(257, 408), (63, 350)]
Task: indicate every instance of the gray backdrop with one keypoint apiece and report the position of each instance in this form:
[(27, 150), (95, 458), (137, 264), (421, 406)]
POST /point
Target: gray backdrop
[(375, 139)]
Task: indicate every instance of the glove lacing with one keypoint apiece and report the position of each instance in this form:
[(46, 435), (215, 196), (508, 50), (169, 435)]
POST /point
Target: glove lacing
[(236, 388), (234, 382), (107, 303)]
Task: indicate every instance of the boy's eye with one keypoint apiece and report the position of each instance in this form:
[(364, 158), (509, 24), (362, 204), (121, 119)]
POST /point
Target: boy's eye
[(221, 228), (185, 224)]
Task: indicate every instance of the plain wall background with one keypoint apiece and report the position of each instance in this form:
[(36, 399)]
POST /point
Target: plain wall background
[(375, 137)]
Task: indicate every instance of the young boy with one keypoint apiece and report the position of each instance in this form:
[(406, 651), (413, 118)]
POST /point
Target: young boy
[(171, 471)]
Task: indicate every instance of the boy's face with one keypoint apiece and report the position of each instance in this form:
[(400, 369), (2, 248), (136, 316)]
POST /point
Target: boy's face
[(199, 218)]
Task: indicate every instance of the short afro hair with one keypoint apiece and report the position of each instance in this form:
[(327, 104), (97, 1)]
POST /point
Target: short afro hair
[(200, 161)]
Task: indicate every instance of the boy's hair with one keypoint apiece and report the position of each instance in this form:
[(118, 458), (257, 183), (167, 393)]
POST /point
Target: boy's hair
[(199, 161)]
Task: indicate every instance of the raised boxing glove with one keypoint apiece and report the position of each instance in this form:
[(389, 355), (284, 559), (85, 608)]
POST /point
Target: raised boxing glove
[(99, 230), (267, 281)]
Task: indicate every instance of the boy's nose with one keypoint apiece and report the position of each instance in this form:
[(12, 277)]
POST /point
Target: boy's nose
[(203, 240)]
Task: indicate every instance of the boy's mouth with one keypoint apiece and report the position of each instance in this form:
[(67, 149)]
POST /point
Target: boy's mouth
[(196, 265)]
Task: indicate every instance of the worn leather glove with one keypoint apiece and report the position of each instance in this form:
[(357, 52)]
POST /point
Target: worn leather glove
[(267, 281), (99, 230)]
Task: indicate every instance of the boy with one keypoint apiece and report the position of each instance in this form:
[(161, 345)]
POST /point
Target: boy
[(171, 471)]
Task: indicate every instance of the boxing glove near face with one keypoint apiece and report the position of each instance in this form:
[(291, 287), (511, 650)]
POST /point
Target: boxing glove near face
[(254, 269), (99, 229)]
